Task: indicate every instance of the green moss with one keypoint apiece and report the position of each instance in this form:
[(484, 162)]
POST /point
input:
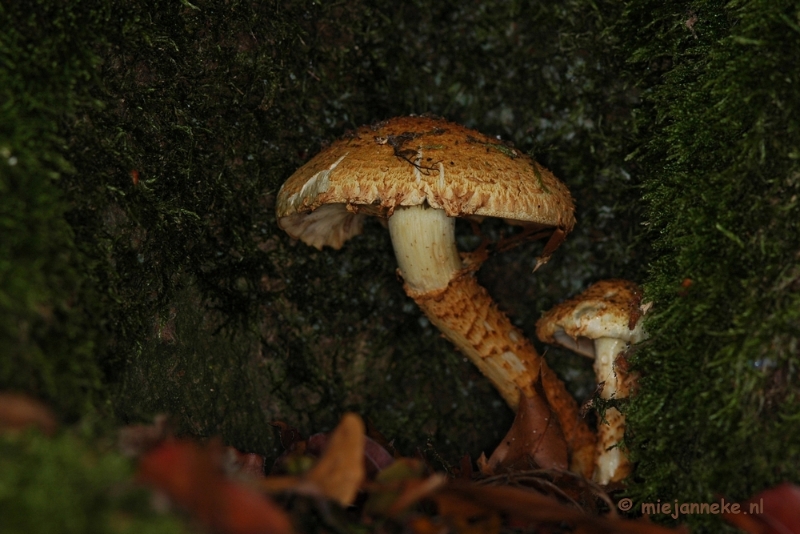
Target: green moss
[(62, 485), (719, 125), (48, 335)]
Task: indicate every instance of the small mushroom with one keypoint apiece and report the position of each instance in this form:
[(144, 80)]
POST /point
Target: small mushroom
[(600, 323), (421, 173)]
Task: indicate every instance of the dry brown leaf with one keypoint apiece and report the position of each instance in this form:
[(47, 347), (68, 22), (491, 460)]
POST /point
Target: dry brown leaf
[(467, 517), (534, 435), (278, 484), (773, 511), (19, 411), (465, 467), (449, 504), (483, 465), (376, 457), (192, 477), (524, 504), (374, 434), (338, 473), (391, 483), (416, 490), (528, 506), (424, 525)]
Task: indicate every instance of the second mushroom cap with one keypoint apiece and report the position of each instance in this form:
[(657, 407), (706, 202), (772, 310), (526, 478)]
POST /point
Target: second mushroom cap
[(600, 323)]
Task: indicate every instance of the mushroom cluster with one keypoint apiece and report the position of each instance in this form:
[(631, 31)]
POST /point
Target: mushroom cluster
[(419, 174)]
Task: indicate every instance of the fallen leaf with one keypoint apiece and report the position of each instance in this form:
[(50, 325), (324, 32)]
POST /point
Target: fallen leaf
[(192, 477), (414, 491), (528, 507), (449, 504), (467, 518), (338, 473), (19, 411), (581, 440), (376, 457), (564, 486), (483, 465), (465, 467), (535, 436), (244, 511), (390, 484), (374, 434), (773, 511), (340, 470), (424, 525)]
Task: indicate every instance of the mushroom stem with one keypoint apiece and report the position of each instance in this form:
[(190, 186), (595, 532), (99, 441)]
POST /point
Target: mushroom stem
[(424, 241), (606, 350), (612, 465), (450, 296)]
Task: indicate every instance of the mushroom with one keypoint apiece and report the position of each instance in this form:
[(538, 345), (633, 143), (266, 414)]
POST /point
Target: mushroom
[(421, 173), (600, 323)]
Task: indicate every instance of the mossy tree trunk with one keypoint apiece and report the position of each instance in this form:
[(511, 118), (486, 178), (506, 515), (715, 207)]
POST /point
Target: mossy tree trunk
[(720, 120)]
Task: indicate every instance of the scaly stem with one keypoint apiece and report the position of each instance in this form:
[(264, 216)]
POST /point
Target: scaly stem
[(424, 243)]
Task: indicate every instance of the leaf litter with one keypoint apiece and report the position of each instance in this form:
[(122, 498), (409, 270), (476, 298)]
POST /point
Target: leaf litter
[(523, 485)]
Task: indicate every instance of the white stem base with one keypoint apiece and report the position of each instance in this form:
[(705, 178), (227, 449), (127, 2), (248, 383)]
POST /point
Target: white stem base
[(611, 463)]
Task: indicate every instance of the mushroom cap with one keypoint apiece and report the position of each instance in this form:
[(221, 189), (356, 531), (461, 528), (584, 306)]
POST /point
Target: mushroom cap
[(607, 309), (409, 161)]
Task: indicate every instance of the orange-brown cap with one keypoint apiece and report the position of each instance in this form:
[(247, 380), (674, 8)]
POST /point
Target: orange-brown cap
[(408, 161), (609, 308)]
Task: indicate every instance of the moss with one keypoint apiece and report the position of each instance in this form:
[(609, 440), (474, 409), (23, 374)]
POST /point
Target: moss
[(48, 335), (719, 126), (62, 485)]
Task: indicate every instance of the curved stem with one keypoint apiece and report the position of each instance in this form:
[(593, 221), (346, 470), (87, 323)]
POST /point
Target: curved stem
[(466, 315)]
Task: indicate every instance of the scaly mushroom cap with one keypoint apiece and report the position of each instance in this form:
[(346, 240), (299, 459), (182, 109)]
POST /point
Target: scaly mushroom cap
[(599, 323), (607, 309), (409, 161)]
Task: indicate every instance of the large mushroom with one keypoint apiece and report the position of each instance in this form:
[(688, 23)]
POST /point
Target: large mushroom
[(601, 323), (421, 173)]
